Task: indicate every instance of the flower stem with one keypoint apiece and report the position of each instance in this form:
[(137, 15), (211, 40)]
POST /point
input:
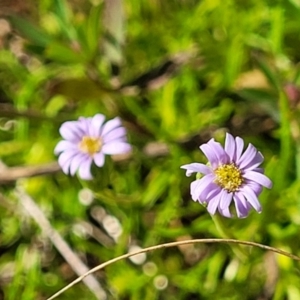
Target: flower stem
[(227, 234)]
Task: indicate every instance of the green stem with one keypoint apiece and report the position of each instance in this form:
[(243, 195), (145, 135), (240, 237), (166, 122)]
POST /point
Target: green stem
[(226, 234)]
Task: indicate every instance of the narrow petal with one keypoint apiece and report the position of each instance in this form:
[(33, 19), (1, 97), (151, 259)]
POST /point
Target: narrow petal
[(64, 146), (196, 187), (251, 197), (194, 190), (254, 163), (259, 178), (239, 148), (84, 170), (76, 162), (225, 212), (196, 168), (241, 210), (255, 187), (96, 125), (222, 156), (225, 200), (110, 125), (84, 125), (230, 146), (240, 197), (213, 205), (114, 134), (99, 159), (210, 192), (201, 185), (247, 157), (210, 154), (259, 170), (70, 131), (64, 160), (116, 148)]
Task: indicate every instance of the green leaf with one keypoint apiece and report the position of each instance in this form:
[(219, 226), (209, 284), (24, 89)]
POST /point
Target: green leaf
[(92, 29), (30, 31), (64, 17), (62, 53), (270, 74), (158, 184)]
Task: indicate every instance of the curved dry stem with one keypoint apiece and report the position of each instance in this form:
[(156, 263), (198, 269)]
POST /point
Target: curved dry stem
[(173, 244)]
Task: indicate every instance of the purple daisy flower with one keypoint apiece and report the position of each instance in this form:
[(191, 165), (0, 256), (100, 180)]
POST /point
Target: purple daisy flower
[(230, 175), (89, 140)]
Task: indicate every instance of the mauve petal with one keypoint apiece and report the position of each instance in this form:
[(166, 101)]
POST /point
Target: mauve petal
[(214, 191), (116, 148), (256, 161), (210, 191), (240, 197), (64, 146), (259, 178), (84, 170), (225, 200), (222, 156), (259, 170), (251, 197), (96, 125), (247, 157), (230, 146), (213, 205), (241, 210), (64, 160), (239, 148), (210, 154), (110, 125), (99, 159), (255, 187), (202, 183), (119, 140), (196, 168), (70, 131), (115, 134), (195, 185), (194, 188), (76, 162), (66, 155), (225, 212), (84, 125)]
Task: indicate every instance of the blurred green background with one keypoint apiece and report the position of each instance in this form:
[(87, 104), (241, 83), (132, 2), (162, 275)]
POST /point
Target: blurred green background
[(178, 73)]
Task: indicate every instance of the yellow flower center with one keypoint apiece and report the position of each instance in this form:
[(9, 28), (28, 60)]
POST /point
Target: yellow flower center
[(229, 177), (90, 145)]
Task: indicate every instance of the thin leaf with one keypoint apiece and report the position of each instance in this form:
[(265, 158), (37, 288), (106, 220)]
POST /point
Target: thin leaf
[(29, 31)]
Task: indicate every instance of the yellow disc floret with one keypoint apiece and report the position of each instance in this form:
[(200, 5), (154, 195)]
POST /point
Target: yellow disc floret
[(90, 145), (229, 177)]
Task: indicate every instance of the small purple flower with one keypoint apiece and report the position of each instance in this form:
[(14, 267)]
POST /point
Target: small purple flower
[(230, 175), (89, 140)]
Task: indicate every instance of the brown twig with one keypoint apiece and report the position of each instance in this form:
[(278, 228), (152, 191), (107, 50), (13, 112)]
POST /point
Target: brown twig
[(8, 175), (7, 110), (174, 244)]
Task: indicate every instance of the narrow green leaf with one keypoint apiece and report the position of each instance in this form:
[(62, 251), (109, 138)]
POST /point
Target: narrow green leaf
[(93, 26), (30, 31), (63, 53), (270, 74), (277, 27)]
